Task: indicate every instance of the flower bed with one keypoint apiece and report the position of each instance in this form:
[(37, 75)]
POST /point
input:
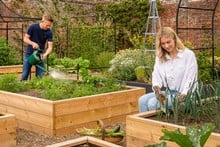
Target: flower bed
[(141, 130)]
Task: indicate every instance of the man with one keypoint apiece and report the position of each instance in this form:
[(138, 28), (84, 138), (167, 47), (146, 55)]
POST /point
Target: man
[(38, 36)]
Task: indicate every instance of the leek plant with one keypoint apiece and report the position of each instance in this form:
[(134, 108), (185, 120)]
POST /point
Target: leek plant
[(201, 104)]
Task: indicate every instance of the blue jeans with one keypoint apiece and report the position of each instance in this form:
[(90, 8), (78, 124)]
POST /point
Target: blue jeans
[(27, 68), (149, 101)]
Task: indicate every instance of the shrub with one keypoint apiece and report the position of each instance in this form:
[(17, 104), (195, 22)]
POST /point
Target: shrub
[(8, 54), (123, 65), (126, 61), (103, 59)]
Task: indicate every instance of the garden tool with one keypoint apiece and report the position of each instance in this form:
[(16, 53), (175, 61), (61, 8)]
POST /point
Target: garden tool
[(35, 59)]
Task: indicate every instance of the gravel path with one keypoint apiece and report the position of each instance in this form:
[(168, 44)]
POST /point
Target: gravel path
[(26, 138)]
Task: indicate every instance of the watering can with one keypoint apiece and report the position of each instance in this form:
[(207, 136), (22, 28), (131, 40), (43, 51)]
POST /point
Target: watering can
[(35, 58)]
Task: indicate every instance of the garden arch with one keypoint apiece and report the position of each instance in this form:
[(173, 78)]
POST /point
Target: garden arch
[(195, 23), (12, 24)]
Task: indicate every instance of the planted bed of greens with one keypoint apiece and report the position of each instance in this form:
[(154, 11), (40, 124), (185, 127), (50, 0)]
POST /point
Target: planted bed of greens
[(55, 89)]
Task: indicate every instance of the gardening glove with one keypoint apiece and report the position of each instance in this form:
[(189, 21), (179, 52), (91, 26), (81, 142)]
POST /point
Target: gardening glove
[(161, 97)]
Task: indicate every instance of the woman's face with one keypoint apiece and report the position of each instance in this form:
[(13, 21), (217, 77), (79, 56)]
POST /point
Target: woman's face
[(168, 44)]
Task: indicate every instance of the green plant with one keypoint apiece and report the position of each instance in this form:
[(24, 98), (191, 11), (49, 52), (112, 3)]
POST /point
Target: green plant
[(8, 54), (217, 62), (73, 65), (138, 41), (125, 62), (55, 89), (103, 59), (200, 105), (129, 14), (123, 65), (204, 64), (89, 41), (140, 73), (10, 82), (129, 18), (195, 136)]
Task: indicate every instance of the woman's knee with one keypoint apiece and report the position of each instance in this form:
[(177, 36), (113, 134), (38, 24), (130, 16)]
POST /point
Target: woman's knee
[(153, 104), (142, 99)]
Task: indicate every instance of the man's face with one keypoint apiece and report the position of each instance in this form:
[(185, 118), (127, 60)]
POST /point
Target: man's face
[(46, 24)]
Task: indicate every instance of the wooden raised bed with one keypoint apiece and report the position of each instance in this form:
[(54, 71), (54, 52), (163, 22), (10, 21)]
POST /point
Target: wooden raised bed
[(64, 116), (141, 130), (14, 69), (7, 130), (85, 140)]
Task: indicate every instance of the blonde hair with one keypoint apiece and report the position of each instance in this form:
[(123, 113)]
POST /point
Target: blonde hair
[(168, 33), (47, 17)]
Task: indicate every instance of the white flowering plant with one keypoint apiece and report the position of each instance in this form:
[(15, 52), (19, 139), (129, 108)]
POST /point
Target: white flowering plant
[(123, 65)]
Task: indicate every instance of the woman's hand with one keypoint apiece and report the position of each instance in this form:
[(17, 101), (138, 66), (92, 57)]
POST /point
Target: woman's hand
[(181, 97), (161, 97)]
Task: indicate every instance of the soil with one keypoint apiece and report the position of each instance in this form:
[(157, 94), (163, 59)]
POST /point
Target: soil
[(26, 138)]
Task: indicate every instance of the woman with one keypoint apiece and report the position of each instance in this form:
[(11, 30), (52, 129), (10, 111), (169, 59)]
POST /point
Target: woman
[(175, 68)]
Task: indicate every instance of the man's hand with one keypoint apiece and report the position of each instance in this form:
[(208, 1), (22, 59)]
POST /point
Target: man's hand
[(43, 56), (35, 45)]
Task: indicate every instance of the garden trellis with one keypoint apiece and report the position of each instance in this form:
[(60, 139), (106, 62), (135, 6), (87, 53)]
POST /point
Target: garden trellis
[(195, 22), (152, 25)]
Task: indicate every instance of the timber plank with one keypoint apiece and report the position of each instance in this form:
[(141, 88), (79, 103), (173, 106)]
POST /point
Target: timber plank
[(93, 115), (8, 140), (91, 124), (31, 117), (140, 130), (26, 103), (8, 126)]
